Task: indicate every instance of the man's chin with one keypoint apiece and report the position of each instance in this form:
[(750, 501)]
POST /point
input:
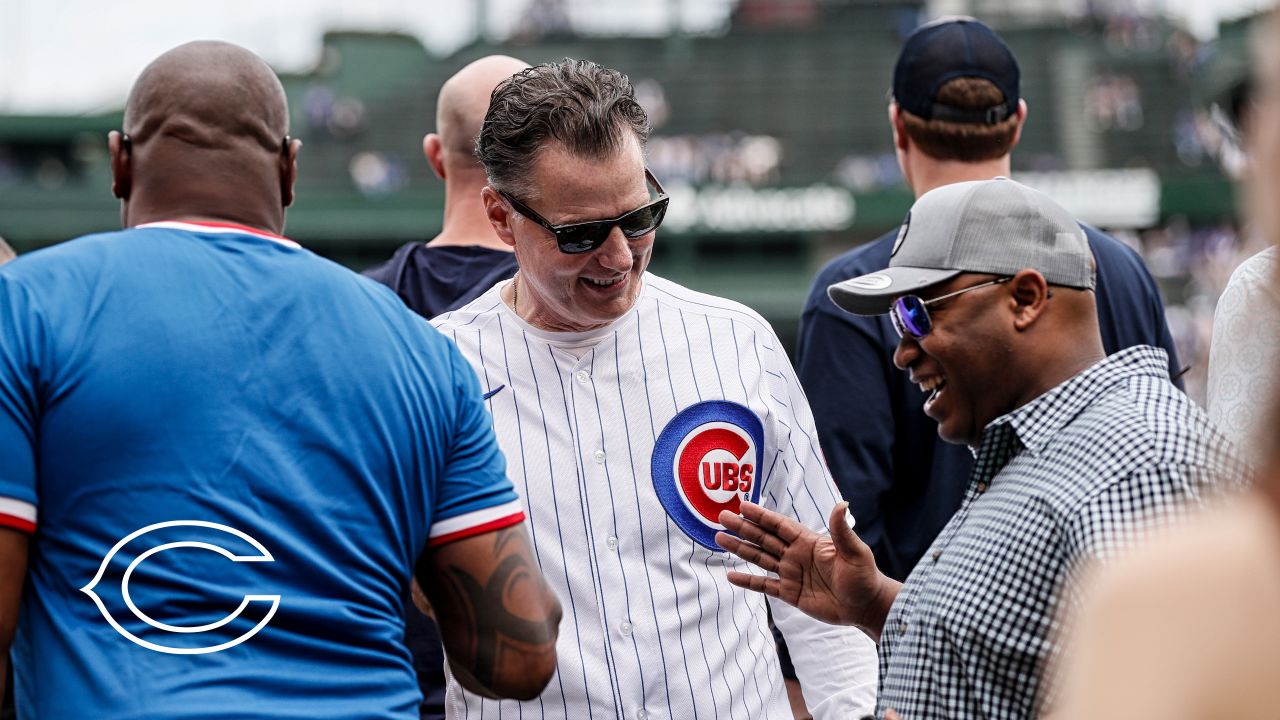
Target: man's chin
[(950, 435)]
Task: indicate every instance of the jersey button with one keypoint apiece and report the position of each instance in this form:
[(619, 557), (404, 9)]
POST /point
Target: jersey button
[(611, 542), (625, 628), (982, 487), (936, 555), (642, 714), (902, 628), (583, 376), (598, 455)]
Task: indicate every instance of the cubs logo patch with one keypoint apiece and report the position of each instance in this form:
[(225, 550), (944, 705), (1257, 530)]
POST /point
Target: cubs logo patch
[(707, 459)]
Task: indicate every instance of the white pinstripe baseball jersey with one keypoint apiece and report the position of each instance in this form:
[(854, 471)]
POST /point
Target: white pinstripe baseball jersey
[(623, 442)]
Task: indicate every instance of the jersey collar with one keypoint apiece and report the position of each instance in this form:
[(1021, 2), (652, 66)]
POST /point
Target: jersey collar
[(220, 228)]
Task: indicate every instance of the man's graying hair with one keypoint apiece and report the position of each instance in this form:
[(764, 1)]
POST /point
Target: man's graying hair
[(577, 103)]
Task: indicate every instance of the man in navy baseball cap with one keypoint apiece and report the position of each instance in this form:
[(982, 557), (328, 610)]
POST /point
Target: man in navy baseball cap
[(955, 48), (956, 111)]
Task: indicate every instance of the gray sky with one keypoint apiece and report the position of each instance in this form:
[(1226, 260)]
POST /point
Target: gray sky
[(66, 56)]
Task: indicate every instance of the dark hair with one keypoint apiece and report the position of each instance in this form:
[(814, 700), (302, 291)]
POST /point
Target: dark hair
[(966, 142), (577, 103)]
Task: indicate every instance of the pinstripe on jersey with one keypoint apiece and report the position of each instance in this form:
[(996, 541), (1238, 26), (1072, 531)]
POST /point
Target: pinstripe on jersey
[(652, 629)]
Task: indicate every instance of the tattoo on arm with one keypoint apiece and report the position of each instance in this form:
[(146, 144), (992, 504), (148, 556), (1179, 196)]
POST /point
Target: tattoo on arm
[(507, 621)]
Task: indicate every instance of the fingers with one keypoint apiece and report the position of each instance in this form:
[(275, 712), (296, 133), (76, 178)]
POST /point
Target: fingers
[(891, 714), (748, 552), (847, 543), (759, 583), (753, 533), (732, 521), (784, 527)]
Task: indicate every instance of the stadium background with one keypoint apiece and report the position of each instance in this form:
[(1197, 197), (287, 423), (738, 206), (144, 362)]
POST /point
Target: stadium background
[(769, 131)]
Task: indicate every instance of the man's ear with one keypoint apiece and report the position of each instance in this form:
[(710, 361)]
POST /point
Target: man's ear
[(499, 213), (900, 139), (433, 149), (288, 169), (1028, 293), (1022, 121), (121, 151)]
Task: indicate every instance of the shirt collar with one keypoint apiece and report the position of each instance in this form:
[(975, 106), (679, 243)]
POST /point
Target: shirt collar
[(571, 339), (219, 228), (1037, 422)]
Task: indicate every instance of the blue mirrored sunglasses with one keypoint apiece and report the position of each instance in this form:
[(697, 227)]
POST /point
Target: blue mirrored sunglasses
[(910, 314)]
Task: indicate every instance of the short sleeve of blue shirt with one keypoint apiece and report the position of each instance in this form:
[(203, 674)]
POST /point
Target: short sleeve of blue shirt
[(475, 494), (20, 340)]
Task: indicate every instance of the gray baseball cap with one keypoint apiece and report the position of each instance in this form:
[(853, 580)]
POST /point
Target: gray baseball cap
[(996, 227)]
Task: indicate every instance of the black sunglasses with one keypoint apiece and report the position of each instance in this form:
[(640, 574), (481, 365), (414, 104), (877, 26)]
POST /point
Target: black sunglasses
[(574, 238)]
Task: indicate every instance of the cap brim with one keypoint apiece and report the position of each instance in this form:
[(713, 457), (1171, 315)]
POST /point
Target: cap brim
[(873, 294)]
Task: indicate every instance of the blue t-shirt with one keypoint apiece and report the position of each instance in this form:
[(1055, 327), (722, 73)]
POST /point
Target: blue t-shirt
[(231, 452), (433, 280), (902, 481)]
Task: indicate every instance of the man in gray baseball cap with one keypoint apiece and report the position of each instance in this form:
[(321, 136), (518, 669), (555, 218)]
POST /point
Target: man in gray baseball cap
[(998, 240), (991, 290), (953, 234)]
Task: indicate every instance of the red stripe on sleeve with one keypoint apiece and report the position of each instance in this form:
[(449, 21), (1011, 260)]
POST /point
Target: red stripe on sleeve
[(480, 529), (17, 523)]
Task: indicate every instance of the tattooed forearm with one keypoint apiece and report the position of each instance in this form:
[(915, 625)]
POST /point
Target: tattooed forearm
[(499, 629), (503, 619)]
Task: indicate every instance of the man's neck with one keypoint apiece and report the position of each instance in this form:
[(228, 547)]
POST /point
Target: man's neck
[(465, 222), (927, 173), (149, 215)]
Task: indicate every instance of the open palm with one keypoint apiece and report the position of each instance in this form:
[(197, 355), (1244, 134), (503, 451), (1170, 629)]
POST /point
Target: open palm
[(830, 577)]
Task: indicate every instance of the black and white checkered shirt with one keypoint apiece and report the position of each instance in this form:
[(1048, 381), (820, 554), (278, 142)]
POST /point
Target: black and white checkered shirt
[(1074, 474)]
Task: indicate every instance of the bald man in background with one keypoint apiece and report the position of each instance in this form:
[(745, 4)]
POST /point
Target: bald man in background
[(451, 270), (6, 252), (201, 400), (466, 258)]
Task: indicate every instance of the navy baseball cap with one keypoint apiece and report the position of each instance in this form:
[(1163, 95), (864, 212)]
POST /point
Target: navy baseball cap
[(952, 48)]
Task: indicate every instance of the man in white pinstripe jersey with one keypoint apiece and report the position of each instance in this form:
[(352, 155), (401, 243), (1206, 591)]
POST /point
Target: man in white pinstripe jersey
[(631, 411)]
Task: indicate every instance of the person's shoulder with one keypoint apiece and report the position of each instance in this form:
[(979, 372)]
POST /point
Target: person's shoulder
[(81, 257), (667, 293), (1109, 251), (1258, 271), (866, 258), (386, 271), (475, 315), (1138, 390), (1147, 422)]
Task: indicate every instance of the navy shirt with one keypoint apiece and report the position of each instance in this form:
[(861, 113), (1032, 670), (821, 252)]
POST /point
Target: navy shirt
[(902, 481), (433, 280)]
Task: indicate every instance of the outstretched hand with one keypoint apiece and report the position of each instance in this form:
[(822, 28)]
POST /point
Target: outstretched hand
[(830, 577)]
